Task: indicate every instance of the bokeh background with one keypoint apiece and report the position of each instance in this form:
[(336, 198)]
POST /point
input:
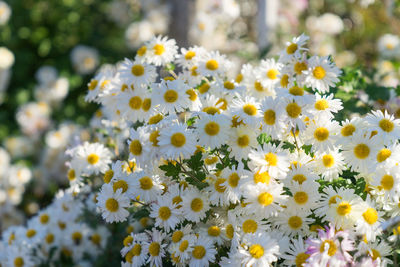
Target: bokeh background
[(50, 50)]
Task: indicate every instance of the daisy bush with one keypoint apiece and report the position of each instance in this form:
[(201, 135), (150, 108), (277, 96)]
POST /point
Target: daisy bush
[(189, 165)]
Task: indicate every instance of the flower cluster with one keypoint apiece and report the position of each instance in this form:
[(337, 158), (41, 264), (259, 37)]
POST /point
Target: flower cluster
[(237, 171)]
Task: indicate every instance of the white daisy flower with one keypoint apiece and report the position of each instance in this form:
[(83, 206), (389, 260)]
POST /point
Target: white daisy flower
[(160, 50), (156, 247), (321, 74), (388, 181), (203, 252), (325, 105), (369, 221), (269, 71), (195, 205), (137, 73), (329, 164), (176, 141), (321, 134), (294, 48), (91, 158), (212, 130), (213, 64), (296, 254), (113, 204), (146, 186), (292, 221), (139, 146), (270, 158), (304, 195), (183, 249), (386, 126), (247, 109), (258, 250), (272, 117), (241, 140), (18, 256), (300, 174), (170, 96), (254, 84), (165, 213)]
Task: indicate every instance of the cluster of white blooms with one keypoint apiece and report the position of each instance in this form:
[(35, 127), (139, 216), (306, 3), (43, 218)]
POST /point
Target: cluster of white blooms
[(234, 171)]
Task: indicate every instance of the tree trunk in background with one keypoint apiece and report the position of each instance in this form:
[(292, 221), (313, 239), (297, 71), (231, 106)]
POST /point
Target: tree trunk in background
[(180, 19), (266, 21)]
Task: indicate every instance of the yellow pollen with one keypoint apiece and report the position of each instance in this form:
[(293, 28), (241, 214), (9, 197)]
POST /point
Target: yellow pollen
[(192, 94), (386, 125), (272, 74), (296, 90), (229, 85), (239, 78), (76, 237), (93, 159), (387, 182), (249, 226), (229, 231), (112, 205), (299, 67), (96, 239), (164, 213), (263, 177), (233, 180), (146, 105), (332, 200), (319, 72), (135, 147), (136, 250), (196, 205), (291, 49), (108, 176), (183, 246), (211, 128), (300, 178), (293, 110), (199, 252), (177, 236), (321, 134), (204, 88), (265, 199), (295, 222), (321, 104), (332, 247), (224, 103), (256, 251), (158, 49), (300, 197), (137, 70), (361, 151), (19, 262), (135, 102), (154, 249), (121, 184), (178, 140), (269, 117), (193, 71), (170, 96), (211, 110), (258, 86), (146, 183), (383, 154), (92, 85), (49, 238), (214, 231), (285, 80), (370, 216), (153, 138), (348, 130), (250, 109), (243, 141), (71, 175), (30, 233), (189, 55), (343, 208), (218, 187), (128, 240), (141, 51), (212, 64), (375, 254), (271, 159), (328, 160), (301, 259), (44, 218)]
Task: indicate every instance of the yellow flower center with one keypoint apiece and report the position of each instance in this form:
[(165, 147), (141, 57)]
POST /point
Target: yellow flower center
[(300, 178), (211, 128), (189, 55), (301, 197), (199, 252), (229, 231), (243, 141), (291, 49), (269, 117), (333, 200), (211, 110), (271, 159), (319, 72), (136, 250), (332, 247), (156, 119), (127, 240), (263, 177), (233, 180), (258, 86), (30, 233), (112, 205), (343, 208), (108, 176), (214, 230), (370, 216), (387, 182), (177, 236), (293, 110), (250, 109), (250, 226), (321, 134), (183, 246), (328, 160), (218, 185), (375, 254), (321, 104), (256, 251), (158, 49), (272, 74), (154, 249), (153, 138), (77, 237), (164, 213), (301, 259), (121, 184), (92, 85), (137, 70), (146, 105), (146, 183), (135, 102), (93, 159), (295, 222), (239, 78), (19, 262), (170, 96), (386, 125), (204, 88), (284, 80), (141, 51), (49, 238), (229, 85), (135, 147), (44, 218), (196, 205), (96, 239), (192, 94), (178, 140), (348, 130), (296, 90), (383, 154), (265, 199), (361, 151), (299, 67), (212, 64)]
